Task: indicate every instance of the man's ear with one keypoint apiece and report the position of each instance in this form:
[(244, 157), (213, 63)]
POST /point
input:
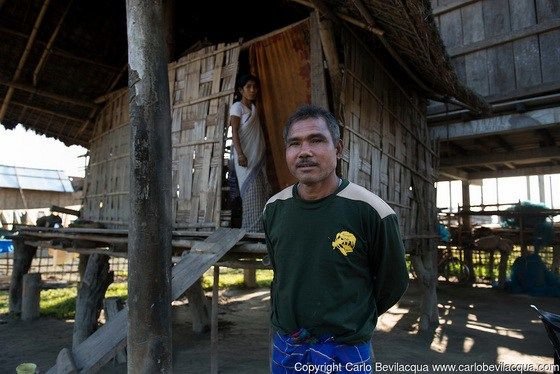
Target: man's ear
[(339, 148)]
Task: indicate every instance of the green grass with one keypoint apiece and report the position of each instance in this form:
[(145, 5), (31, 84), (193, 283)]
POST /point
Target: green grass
[(3, 302), (233, 278), (61, 302)]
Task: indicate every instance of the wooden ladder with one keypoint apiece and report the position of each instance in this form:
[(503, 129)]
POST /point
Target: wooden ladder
[(99, 348)]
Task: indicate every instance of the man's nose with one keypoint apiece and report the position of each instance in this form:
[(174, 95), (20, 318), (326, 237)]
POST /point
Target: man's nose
[(305, 150)]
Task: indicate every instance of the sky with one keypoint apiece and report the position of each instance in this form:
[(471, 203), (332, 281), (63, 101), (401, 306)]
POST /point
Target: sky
[(20, 147)]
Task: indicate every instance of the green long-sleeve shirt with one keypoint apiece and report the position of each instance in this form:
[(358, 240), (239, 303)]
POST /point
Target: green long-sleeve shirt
[(338, 262)]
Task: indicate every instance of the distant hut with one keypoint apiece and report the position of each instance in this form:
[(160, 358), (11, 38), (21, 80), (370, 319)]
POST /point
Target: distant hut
[(32, 190)]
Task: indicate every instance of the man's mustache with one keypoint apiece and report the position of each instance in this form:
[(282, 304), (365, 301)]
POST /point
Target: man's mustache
[(306, 164)]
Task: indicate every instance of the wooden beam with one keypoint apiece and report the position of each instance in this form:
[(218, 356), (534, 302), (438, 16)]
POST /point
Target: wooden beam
[(328, 41), (500, 158), (60, 115), (319, 94), (482, 145), (539, 28), (518, 172), (504, 124), (502, 143), (50, 95), (452, 174), (344, 17), (23, 58), (547, 139), (50, 43), (149, 259), (436, 11), (60, 209), (457, 148), (60, 52), (534, 97)]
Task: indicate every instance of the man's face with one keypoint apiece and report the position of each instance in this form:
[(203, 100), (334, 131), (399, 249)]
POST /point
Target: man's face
[(311, 154)]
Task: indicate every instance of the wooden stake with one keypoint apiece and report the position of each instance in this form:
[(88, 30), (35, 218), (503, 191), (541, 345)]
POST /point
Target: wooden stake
[(31, 296), (214, 328)]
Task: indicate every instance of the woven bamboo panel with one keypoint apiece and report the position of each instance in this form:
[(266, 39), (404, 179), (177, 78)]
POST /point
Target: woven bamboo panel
[(107, 178), (201, 90), (386, 145)]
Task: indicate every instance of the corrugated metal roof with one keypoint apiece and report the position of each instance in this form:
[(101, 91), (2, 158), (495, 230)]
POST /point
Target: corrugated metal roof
[(34, 179)]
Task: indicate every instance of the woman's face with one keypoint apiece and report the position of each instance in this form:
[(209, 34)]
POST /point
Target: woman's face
[(249, 91)]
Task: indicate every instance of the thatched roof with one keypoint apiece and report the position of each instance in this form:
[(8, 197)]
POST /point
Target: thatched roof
[(80, 49)]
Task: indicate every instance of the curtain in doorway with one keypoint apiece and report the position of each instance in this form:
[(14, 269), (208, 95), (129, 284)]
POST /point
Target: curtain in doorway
[(282, 63)]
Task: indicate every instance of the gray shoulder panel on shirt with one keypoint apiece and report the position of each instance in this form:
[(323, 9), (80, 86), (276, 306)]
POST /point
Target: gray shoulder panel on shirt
[(355, 192), (285, 194)]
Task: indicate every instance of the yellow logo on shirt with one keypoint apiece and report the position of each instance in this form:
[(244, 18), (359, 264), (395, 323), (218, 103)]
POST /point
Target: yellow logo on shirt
[(345, 242)]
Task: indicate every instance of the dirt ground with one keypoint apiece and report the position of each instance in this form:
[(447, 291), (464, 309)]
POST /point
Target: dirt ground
[(477, 325)]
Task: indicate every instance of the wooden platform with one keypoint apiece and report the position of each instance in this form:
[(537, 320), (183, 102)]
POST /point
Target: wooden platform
[(103, 345)]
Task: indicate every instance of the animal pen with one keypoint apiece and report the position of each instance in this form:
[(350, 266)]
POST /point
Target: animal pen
[(348, 67)]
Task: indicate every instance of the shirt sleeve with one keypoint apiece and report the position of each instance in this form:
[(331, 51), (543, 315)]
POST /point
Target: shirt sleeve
[(236, 109), (390, 274)]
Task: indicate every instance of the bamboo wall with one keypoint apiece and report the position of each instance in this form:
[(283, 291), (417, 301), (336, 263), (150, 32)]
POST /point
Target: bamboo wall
[(502, 49), (201, 88), (386, 142)]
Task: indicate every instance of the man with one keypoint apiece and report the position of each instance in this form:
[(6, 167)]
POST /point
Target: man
[(337, 256)]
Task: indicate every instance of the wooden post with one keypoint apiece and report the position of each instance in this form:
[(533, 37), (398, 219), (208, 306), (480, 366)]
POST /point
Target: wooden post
[(93, 286), (198, 308), (31, 296), (522, 244), (425, 266), (556, 259), (149, 261), (328, 41), (250, 278), (23, 256), (214, 330), (502, 268), (82, 265), (466, 227)]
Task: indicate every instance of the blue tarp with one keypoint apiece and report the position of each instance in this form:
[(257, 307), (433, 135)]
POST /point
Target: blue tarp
[(6, 245), (529, 275)]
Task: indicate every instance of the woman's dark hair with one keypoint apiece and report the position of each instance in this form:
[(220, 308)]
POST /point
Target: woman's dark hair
[(241, 81)]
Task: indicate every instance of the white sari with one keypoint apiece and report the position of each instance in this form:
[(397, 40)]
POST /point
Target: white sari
[(252, 181)]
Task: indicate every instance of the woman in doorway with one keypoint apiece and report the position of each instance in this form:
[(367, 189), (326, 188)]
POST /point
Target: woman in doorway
[(249, 152)]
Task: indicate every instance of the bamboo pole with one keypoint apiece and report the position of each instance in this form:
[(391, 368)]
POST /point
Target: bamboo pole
[(149, 314), (49, 45)]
